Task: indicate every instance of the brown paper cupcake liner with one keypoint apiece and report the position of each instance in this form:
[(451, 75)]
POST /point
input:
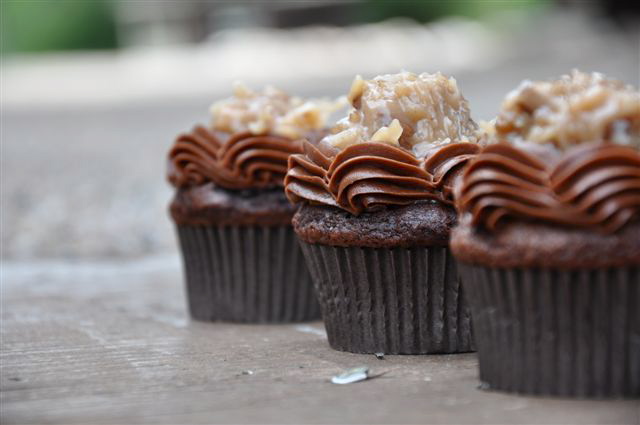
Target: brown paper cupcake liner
[(246, 274), (393, 301), (557, 332)]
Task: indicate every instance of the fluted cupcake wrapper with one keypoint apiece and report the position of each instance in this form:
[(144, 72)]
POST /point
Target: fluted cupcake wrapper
[(246, 274), (394, 301), (557, 332)]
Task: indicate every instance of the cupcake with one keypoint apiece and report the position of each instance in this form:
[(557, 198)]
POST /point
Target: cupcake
[(548, 240), (242, 262), (376, 212)]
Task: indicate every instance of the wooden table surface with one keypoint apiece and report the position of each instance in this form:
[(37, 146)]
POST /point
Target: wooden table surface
[(112, 343)]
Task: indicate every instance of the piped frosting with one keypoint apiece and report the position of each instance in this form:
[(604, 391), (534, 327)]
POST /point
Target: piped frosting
[(567, 154), (249, 141), (405, 140)]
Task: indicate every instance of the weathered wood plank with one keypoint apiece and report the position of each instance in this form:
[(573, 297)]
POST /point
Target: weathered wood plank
[(112, 344)]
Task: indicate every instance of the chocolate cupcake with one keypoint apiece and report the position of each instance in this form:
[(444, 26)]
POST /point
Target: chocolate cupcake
[(548, 240), (376, 215), (242, 261)]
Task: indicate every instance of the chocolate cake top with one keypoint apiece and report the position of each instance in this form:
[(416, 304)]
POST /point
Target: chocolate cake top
[(574, 109), (405, 140), (249, 141), (567, 154)]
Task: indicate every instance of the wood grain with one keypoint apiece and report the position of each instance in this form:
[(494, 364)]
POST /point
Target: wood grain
[(111, 343)]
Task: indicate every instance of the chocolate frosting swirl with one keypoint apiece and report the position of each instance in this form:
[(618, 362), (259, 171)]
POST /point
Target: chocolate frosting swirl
[(238, 161), (594, 187), (369, 176)]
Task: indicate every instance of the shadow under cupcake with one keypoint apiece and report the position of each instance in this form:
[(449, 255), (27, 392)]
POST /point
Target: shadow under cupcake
[(376, 215), (242, 262), (549, 240)]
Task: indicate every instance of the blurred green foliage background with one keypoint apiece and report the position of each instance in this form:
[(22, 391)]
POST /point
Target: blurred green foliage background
[(37, 26), (45, 25)]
